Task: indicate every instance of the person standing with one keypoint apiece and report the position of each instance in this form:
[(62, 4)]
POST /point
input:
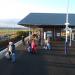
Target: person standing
[(29, 46), (11, 51), (34, 46), (48, 44), (23, 40)]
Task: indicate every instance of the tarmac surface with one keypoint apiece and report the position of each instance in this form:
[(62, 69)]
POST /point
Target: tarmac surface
[(42, 63)]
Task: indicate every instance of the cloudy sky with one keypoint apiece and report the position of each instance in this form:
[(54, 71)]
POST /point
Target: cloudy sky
[(20, 8)]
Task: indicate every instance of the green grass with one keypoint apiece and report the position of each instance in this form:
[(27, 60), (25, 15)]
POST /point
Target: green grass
[(9, 31)]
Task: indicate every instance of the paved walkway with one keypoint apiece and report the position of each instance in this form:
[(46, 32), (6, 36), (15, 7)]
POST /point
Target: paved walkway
[(42, 63)]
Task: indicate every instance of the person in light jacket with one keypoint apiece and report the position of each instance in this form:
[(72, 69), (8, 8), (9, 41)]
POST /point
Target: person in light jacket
[(11, 51), (10, 48)]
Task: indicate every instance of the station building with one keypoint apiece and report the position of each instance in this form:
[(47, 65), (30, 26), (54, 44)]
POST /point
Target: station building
[(49, 24)]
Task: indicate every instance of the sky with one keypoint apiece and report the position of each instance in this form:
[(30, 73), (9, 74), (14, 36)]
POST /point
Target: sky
[(18, 9)]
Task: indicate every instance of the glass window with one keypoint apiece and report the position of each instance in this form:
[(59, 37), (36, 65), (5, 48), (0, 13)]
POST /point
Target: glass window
[(49, 33), (58, 34)]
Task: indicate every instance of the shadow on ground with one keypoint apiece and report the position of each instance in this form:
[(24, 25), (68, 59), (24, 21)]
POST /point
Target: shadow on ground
[(42, 63), (25, 65)]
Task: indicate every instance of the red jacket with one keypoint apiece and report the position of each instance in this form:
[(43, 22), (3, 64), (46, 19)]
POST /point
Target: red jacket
[(33, 45)]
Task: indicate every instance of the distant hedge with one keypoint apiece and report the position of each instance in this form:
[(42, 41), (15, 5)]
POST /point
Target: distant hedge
[(18, 37), (23, 33)]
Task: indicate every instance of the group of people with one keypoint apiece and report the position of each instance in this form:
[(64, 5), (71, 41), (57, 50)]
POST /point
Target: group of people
[(32, 46), (11, 52), (34, 43)]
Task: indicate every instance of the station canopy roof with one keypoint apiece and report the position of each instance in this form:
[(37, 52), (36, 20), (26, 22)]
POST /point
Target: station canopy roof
[(46, 19)]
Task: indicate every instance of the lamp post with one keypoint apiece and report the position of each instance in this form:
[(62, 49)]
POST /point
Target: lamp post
[(66, 38), (66, 23)]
